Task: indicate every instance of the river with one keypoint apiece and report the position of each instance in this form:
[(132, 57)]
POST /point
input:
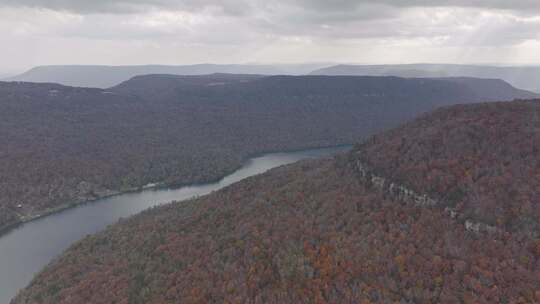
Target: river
[(27, 249)]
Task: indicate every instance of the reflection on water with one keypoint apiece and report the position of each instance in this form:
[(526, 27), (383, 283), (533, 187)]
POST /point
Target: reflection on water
[(27, 249)]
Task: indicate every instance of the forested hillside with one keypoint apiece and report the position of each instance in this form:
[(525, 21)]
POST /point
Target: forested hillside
[(319, 232), (482, 161), (63, 145)]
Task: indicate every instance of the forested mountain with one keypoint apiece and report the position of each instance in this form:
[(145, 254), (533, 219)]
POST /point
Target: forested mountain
[(524, 77), (363, 227), (481, 161), (108, 76), (64, 145), (171, 87)]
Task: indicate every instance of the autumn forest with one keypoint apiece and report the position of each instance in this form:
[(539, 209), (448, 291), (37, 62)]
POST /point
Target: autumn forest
[(336, 230)]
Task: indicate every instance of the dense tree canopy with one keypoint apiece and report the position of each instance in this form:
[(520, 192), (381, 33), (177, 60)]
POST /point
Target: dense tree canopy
[(481, 159), (314, 232), (63, 145)]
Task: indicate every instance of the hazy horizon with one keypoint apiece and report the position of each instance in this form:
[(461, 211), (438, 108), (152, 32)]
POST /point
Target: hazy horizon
[(10, 73)]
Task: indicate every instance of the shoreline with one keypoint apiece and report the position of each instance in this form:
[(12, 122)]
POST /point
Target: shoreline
[(156, 186), (51, 211)]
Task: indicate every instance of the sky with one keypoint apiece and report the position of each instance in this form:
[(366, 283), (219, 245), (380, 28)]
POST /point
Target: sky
[(124, 32)]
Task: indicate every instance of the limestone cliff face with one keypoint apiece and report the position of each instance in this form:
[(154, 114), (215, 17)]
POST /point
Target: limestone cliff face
[(392, 189), (400, 193), (481, 160)]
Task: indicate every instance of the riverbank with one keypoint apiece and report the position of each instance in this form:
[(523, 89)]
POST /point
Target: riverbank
[(154, 186), (30, 247), (29, 218)]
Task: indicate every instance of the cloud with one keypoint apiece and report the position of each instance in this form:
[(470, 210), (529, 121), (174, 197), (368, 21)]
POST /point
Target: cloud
[(193, 31), (229, 7), (235, 21), (242, 7)]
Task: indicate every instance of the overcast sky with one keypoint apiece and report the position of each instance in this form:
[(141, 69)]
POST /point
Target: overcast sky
[(118, 32)]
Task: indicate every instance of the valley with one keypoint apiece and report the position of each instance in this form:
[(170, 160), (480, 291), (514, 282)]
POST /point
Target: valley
[(320, 230), (22, 257), (68, 145), (269, 152)]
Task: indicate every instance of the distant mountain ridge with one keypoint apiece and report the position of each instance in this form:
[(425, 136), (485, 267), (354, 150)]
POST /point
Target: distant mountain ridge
[(4, 75), (150, 86), (526, 77), (100, 76)]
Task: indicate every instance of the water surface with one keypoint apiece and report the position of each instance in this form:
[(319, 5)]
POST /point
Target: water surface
[(27, 249)]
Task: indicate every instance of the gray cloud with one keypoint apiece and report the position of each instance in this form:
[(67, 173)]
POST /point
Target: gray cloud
[(229, 7), (241, 7), (194, 31)]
